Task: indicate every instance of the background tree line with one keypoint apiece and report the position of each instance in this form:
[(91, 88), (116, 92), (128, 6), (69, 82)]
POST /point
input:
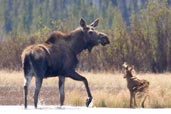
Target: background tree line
[(139, 31)]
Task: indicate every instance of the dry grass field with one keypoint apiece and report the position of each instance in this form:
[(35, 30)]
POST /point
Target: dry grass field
[(108, 90)]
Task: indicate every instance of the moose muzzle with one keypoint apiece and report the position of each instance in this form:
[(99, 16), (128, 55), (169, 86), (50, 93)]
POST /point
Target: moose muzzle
[(103, 39)]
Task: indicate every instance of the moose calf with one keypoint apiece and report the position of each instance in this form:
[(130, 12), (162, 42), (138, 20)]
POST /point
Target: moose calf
[(135, 86)]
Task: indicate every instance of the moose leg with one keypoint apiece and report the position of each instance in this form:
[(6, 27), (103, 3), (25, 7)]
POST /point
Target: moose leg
[(37, 90), (61, 90), (26, 85), (74, 75)]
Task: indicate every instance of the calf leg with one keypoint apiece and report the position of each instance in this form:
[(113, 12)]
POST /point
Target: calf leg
[(143, 102), (131, 98), (61, 90), (78, 77), (135, 103)]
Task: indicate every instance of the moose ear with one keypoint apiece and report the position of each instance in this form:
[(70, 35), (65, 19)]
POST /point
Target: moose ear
[(82, 23), (95, 23)]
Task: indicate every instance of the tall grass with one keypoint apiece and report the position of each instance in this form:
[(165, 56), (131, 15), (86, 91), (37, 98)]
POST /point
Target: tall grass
[(108, 90)]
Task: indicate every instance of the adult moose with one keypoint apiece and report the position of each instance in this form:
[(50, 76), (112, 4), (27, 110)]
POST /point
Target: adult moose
[(57, 56)]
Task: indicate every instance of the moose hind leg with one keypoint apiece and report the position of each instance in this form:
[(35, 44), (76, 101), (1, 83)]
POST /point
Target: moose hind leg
[(61, 90), (37, 90), (78, 77), (26, 85)]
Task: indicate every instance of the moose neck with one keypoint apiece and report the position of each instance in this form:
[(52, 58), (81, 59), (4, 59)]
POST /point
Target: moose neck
[(77, 42)]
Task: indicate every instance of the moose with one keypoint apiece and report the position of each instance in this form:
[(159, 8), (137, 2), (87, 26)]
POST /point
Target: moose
[(135, 85), (57, 57)]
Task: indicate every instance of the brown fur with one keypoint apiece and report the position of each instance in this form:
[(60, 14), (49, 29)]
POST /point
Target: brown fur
[(135, 85), (57, 56)]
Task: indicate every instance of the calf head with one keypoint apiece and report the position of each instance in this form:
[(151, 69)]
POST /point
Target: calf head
[(128, 70)]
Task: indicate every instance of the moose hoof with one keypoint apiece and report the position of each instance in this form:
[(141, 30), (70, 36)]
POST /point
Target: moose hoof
[(88, 101)]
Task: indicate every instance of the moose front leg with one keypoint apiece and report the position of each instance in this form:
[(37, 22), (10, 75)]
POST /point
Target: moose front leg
[(74, 75), (61, 90)]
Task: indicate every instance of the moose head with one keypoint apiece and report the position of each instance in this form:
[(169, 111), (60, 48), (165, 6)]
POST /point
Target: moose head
[(92, 36)]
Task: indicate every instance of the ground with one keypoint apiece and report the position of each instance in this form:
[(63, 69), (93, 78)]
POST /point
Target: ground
[(77, 110), (109, 90)]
